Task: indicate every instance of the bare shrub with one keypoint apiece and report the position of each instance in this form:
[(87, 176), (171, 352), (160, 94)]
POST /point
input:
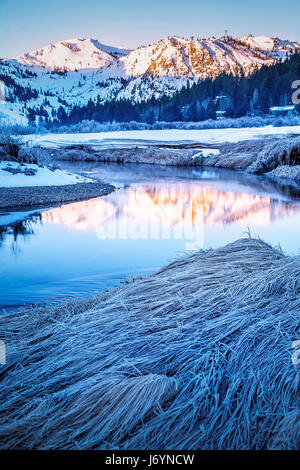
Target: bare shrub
[(12, 148), (9, 147), (86, 126)]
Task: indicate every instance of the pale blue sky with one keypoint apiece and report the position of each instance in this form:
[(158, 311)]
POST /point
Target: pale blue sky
[(30, 24)]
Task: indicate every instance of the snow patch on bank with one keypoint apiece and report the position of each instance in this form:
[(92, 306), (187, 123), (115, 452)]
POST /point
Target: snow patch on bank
[(206, 153), (42, 176)]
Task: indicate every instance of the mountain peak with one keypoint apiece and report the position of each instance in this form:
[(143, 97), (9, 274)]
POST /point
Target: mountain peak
[(72, 54)]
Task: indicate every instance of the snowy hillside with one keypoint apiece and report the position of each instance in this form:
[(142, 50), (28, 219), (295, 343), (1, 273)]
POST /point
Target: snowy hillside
[(50, 81)]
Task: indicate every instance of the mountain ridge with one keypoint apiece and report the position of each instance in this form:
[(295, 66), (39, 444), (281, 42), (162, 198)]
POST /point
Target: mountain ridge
[(71, 72), (249, 48)]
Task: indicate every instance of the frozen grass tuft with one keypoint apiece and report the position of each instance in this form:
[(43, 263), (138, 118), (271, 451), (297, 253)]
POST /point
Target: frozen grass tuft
[(259, 155), (195, 356), (280, 152), (286, 172)]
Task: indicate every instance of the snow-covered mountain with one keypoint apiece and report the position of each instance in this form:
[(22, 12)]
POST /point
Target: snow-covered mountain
[(73, 54), (179, 57), (172, 56), (74, 71)]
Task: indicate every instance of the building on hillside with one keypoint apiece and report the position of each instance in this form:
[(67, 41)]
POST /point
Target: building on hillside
[(283, 110), (220, 102), (221, 114)]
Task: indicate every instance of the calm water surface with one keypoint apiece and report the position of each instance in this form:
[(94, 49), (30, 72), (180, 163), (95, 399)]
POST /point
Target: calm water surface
[(157, 214)]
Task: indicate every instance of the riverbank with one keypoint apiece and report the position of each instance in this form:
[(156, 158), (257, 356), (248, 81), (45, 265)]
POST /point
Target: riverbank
[(161, 155), (195, 356), (272, 151), (277, 158), (42, 195)]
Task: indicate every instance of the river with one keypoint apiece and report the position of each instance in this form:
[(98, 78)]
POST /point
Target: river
[(156, 215)]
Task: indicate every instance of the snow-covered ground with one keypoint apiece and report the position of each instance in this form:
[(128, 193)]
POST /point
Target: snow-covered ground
[(43, 176), (133, 138)]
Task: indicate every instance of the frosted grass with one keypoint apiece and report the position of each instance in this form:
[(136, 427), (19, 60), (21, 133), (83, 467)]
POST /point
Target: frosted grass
[(194, 356)]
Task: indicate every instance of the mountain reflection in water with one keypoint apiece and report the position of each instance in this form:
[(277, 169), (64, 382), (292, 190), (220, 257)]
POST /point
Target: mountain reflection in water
[(172, 205), (159, 213)]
